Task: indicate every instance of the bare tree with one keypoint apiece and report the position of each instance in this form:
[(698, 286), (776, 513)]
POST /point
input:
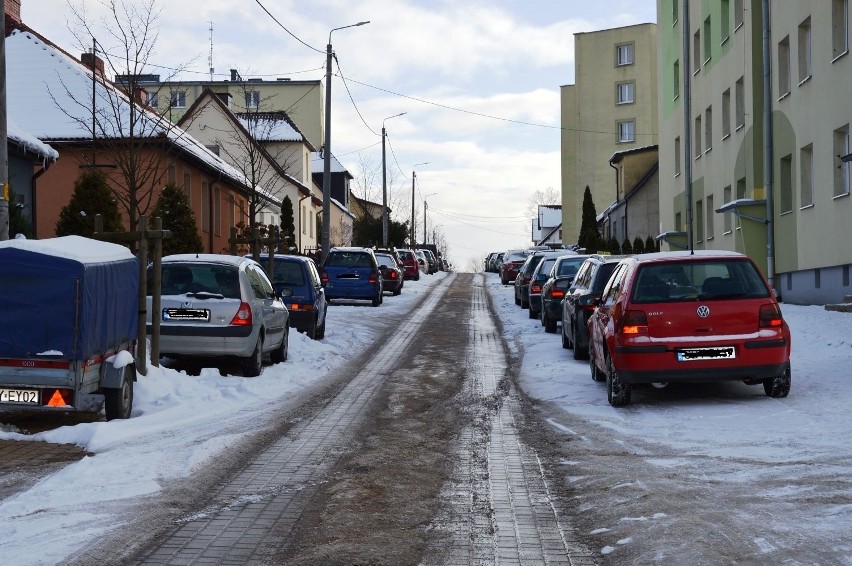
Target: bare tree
[(542, 197), (134, 139)]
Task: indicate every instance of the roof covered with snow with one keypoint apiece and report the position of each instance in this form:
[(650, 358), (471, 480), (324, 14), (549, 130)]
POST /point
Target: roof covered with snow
[(49, 93), (28, 142), (317, 164), (271, 126)]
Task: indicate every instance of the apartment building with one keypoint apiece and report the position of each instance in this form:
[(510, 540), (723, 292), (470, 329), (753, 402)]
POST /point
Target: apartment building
[(301, 100), (611, 107), (714, 190)]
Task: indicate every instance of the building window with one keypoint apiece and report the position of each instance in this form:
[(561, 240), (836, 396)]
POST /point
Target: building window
[(709, 221), (708, 46), (153, 99), (708, 129), (726, 113), (624, 54), (839, 27), (697, 136), (171, 173), (677, 156), (252, 100), (805, 69), (806, 173), (678, 222), (676, 79), (841, 171), (741, 188), (187, 186), (738, 13), (311, 223), (232, 209), (740, 102), (626, 131), (302, 222), (696, 51), (726, 20), (625, 93), (699, 221), (726, 196), (786, 184), (213, 148), (178, 99), (784, 67), (205, 207), (674, 11)]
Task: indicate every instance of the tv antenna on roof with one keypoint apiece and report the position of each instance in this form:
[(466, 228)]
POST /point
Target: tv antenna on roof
[(210, 56)]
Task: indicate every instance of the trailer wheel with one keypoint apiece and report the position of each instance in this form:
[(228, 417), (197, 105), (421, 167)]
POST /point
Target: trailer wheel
[(118, 402)]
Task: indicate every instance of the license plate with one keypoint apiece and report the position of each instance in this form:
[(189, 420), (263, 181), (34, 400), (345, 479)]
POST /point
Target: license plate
[(698, 354), (186, 314), (23, 396)]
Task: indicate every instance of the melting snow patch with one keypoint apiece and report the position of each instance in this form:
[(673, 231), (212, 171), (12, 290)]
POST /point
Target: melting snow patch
[(599, 531), (623, 541), (607, 549)]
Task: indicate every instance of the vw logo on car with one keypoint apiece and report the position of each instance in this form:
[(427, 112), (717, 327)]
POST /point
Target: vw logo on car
[(703, 311)]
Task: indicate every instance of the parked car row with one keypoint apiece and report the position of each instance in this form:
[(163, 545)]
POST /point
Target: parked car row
[(216, 307), (659, 318)]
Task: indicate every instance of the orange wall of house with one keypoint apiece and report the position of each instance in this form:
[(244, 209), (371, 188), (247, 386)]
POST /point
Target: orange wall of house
[(55, 187)]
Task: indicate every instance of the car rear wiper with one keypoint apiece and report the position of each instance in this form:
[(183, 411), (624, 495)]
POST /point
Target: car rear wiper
[(205, 295)]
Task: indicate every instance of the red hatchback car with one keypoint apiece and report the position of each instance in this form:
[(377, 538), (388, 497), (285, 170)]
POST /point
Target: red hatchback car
[(410, 267), (684, 317)]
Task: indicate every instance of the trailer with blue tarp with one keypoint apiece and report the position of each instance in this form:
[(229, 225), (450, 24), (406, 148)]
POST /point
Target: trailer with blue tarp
[(68, 314)]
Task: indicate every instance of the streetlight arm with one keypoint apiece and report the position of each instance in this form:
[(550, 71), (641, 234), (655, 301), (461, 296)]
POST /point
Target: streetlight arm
[(344, 27)]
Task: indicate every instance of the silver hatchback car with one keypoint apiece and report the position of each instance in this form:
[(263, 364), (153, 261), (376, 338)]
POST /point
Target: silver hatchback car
[(217, 306)]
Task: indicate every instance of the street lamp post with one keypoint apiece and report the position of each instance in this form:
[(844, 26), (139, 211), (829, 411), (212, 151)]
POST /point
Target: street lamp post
[(425, 208), (326, 169), (412, 238), (385, 183)]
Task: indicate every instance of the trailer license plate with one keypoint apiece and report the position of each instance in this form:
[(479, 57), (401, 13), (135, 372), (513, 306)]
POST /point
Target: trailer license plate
[(697, 354), (23, 396)]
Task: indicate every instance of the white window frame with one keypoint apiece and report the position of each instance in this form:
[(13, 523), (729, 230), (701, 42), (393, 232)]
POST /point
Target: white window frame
[(842, 173), (624, 54), (252, 99), (784, 86), (626, 131), (178, 99), (806, 176), (625, 93), (839, 28), (805, 63)]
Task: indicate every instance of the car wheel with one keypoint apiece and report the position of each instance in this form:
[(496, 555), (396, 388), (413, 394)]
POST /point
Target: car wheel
[(504, 281), (597, 375), (312, 331), (565, 342), (778, 386), (549, 323), (617, 392), (118, 402), (397, 292), (533, 314), (525, 304), (377, 301), (254, 363), (579, 353), (279, 354), (321, 329), (517, 301)]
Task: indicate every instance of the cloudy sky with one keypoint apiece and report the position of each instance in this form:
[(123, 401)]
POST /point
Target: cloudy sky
[(478, 80)]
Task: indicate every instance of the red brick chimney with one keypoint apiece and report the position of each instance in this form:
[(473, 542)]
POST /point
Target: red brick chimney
[(86, 59), (13, 15)]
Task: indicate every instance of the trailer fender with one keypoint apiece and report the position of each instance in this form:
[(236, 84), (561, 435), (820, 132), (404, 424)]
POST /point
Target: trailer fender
[(113, 368)]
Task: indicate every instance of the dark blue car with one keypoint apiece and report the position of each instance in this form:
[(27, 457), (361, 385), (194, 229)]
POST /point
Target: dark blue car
[(298, 280), (352, 273)]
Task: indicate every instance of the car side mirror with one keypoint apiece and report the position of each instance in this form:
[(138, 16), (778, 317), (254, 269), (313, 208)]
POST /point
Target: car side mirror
[(588, 301)]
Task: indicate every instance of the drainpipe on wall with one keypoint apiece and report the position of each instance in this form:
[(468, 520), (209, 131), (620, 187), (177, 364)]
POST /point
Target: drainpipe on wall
[(298, 228), (687, 130), (767, 148)]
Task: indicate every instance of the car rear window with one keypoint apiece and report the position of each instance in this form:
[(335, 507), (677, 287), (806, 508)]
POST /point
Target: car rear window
[(288, 273), (694, 280), (569, 267), (181, 278), (348, 259), (386, 260)]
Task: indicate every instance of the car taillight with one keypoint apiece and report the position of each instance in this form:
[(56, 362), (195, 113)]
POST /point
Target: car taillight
[(393, 275), (634, 323), (535, 287), (556, 292), (300, 307), (323, 276), (243, 316), (770, 316), (373, 277), (526, 280)]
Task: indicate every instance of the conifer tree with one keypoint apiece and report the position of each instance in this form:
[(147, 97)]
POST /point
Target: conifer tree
[(626, 246), (173, 207), (638, 245), (651, 245), (612, 246), (588, 223), (18, 223), (91, 196), (288, 226)]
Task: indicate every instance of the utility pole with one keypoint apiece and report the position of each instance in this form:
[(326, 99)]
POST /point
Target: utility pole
[(4, 145)]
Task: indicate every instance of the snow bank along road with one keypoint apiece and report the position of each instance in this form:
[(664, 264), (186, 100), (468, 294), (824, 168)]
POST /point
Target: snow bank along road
[(415, 457)]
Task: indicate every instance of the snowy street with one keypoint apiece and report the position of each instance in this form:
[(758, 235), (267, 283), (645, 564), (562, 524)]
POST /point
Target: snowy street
[(466, 438)]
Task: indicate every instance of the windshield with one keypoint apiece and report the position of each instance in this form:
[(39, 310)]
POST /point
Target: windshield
[(569, 267)]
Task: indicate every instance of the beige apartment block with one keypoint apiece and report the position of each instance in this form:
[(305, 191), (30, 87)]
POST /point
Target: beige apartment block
[(301, 100), (611, 107), (798, 238)]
